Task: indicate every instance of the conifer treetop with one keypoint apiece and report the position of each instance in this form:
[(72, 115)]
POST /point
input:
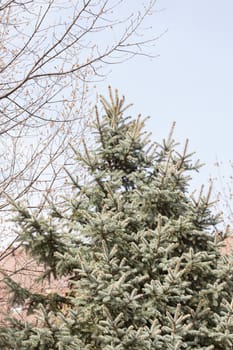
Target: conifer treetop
[(143, 269)]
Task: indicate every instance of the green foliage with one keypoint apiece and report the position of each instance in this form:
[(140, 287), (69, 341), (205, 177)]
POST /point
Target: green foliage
[(144, 270)]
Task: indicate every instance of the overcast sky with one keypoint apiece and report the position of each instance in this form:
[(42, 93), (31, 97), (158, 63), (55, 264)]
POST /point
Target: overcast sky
[(191, 81)]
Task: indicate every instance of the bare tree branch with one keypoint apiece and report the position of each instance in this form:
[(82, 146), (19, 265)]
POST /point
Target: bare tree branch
[(50, 53)]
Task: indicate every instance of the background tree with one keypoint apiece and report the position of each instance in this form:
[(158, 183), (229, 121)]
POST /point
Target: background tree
[(50, 52), (143, 270), (223, 184)]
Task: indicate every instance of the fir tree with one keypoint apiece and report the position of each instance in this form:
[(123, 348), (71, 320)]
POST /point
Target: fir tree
[(144, 270)]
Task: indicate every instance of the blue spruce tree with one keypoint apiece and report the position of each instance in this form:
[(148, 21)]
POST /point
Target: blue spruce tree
[(144, 270)]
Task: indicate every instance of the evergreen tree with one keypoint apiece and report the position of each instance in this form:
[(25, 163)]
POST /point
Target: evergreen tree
[(144, 270)]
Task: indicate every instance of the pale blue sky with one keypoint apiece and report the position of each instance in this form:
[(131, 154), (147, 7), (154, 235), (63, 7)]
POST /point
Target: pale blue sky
[(191, 82)]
